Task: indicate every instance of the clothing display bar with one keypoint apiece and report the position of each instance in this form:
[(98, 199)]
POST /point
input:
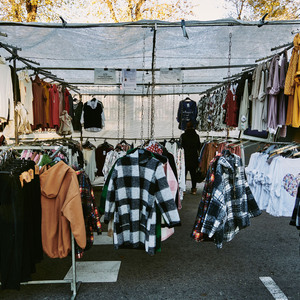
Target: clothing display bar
[(74, 284), (156, 70)]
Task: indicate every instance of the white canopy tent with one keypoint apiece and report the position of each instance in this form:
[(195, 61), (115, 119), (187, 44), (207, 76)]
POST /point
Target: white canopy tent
[(73, 51)]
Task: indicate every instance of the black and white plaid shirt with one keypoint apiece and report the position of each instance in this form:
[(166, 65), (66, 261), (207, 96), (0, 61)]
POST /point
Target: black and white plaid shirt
[(232, 203), (137, 184)]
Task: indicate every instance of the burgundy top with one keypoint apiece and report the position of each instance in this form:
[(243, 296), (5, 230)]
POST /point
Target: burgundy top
[(232, 109), (54, 103), (38, 102)]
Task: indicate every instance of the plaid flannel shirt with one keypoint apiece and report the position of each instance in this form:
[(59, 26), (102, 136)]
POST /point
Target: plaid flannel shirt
[(197, 235), (137, 184), (90, 212), (232, 203)]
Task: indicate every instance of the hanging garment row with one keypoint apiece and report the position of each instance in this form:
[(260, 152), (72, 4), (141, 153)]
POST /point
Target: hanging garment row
[(266, 99), (227, 203), (41, 105), (211, 148), (41, 205), (141, 196), (273, 177)]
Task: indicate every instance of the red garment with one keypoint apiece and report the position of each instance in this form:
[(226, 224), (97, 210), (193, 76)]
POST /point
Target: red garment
[(67, 104), (232, 109), (38, 102), (54, 104), (47, 106)]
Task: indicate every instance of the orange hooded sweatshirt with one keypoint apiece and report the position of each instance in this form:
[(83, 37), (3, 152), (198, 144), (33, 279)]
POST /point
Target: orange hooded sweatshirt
[(61, 210)]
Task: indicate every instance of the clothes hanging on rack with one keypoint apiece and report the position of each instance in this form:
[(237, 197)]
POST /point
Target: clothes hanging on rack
[(101, 152), (210, 149), (141, 176), (77, 112), (26, 93), (6, 92), (111, 157), (66, 126), (61, 210), (227, 203), (211, 114), (20, 228), (90, 212), (38, 100), (187, 112), (273, 182), (174, 147), (231, 106), (89, 155), (92, 116), (23, 125)]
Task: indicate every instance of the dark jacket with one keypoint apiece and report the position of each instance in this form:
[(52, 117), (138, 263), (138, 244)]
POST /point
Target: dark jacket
[(191, 144)]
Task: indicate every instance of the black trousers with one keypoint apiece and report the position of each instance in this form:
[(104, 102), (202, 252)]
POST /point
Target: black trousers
[(192, 171)]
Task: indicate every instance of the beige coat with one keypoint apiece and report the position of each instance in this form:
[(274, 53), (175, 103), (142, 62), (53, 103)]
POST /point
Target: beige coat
[(61, 210)]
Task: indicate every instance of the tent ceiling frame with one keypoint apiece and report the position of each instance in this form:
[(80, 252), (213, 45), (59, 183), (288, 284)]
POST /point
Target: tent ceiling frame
[(146, 84), (156, 69), (157, 23)]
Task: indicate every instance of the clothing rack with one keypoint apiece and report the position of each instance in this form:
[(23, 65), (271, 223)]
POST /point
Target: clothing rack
[(74, 284)]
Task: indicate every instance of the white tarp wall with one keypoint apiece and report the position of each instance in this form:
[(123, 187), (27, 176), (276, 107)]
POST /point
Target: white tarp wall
[(122, 46)]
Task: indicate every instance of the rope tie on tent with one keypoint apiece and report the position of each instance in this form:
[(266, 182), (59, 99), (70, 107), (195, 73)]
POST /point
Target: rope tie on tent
[(173, 111), (119, 107), (124, 103), (229, 73), (152, 130), (229, 59), (143, 89)]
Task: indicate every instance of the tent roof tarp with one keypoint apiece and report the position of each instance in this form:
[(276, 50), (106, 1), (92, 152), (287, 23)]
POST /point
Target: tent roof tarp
[(121, 46)]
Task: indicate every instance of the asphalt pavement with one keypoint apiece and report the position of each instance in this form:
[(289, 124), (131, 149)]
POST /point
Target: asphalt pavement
[(261, 262)]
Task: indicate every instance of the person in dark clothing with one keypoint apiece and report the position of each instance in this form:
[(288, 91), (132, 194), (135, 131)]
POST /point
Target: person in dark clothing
[(190, 142)]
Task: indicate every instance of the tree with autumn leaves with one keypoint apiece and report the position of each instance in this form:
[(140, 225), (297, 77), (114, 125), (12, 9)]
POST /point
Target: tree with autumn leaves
[(106, 10), (29, 10), (255, 9)]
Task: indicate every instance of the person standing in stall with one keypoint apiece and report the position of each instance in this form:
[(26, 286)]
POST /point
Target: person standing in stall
[(190, 142)]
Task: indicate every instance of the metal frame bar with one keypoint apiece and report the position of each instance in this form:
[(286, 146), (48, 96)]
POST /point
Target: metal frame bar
[(156, 69), (161, 24)]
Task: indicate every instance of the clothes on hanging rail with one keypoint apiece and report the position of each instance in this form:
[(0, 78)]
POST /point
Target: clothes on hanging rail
[(211, 114), (23, 125), (26, 93), (187, 112), (89, 156), (111, 157), (61, 210), (20, 222), (90, 212), (231, 107), (137, 186), (100, 153), (92, 117), (273, 182), (6, 92), (227, 203), (174, 147), (210, 149), (77, 112)]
